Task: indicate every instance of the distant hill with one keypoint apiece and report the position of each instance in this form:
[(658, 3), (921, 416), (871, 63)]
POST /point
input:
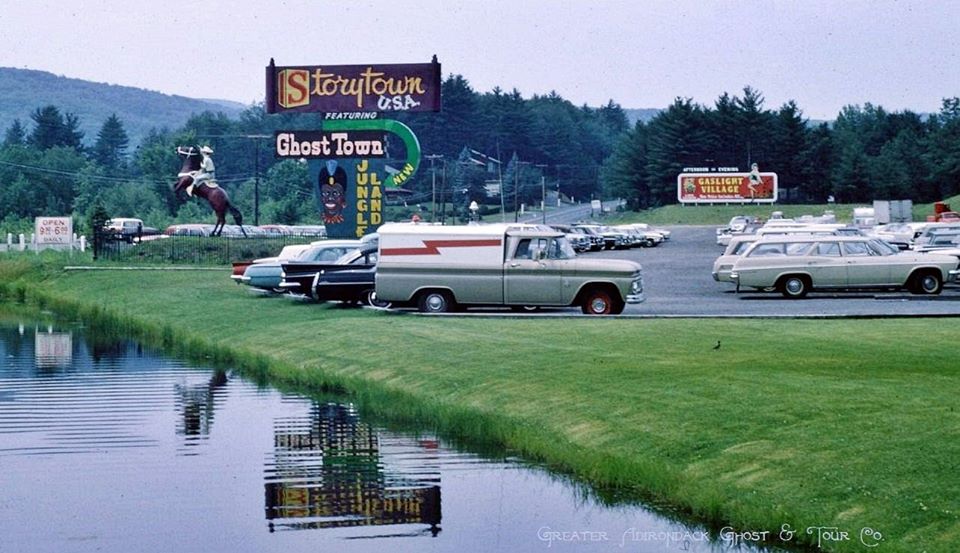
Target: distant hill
[(645, 115), (22, 91)]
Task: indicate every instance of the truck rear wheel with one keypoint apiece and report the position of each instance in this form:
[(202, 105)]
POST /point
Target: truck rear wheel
[(600, 302), (435, 301)]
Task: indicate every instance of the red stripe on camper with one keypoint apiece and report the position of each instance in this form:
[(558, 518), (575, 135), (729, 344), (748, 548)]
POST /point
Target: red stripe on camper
[(432, 247)]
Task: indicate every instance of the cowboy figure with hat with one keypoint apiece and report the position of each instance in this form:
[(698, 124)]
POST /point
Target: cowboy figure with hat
[(206, 174)]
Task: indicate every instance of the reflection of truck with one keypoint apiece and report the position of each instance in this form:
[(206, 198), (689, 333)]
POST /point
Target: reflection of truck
[(438, 268)]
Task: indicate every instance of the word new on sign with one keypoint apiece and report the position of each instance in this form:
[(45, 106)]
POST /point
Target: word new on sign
[(327, 145)]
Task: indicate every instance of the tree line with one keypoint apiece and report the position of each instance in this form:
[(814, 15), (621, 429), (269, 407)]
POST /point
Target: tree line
[(47, 168), (867, 153), (519, 145)]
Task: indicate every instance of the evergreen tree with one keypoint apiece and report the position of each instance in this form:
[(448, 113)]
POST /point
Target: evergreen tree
[(111, 146), (678, 138), (624, 173), (16, 135), (786, 151), (943, 150), (756, 125), (817, 164), (55, 129)]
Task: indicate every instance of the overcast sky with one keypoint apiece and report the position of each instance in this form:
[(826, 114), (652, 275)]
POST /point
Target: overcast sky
[(642, 54)]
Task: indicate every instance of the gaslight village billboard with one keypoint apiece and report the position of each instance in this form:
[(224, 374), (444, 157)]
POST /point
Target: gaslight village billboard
[(348, 159), (726, 185)]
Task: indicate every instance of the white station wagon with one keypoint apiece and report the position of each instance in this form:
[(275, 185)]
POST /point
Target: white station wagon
[(797, 264)]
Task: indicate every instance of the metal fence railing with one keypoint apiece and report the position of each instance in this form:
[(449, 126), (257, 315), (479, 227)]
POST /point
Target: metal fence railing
[(198, 250)]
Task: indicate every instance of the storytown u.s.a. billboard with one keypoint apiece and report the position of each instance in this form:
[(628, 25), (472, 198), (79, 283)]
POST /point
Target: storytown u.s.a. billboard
[(727, 187), (353, 88)]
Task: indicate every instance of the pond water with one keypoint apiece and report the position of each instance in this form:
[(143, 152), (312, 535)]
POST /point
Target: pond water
[(109, 446)]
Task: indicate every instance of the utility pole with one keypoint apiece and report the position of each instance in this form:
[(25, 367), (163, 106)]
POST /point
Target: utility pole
[(256, 186), (516, 192), (433, 171), (543, 192)]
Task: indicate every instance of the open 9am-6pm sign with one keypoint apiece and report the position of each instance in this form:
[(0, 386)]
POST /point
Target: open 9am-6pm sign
[(727, 187)]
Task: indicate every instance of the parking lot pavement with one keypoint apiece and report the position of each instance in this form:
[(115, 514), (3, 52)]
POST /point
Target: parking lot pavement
[(677, 282)]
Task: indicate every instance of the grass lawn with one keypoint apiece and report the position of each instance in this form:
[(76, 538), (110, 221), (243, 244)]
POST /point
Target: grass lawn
[(810, 423)]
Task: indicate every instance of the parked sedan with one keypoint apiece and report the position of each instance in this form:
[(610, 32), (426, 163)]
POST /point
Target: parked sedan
[(266, 276), (723, 266), (796, 265), (351, 283), (301, 277), (288, 252)]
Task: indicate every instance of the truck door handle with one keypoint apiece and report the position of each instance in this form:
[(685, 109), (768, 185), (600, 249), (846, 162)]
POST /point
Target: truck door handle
[(514, 264)]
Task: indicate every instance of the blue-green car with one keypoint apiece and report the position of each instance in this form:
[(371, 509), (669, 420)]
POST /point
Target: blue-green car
[(266, 275)]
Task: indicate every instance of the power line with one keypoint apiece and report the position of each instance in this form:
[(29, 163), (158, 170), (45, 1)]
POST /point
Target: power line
[(102, 178)]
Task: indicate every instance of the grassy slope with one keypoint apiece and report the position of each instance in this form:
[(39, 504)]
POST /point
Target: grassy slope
[(811, 423), (718, 214)]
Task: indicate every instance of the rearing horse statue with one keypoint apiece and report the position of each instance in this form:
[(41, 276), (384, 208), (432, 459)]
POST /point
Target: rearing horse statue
[(214, 195)]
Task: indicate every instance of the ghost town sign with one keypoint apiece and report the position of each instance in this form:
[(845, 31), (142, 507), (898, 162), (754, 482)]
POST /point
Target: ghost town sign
[(326, 145)]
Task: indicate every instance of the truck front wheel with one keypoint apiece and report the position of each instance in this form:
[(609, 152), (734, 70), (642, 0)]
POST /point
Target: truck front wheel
[(435, 301), (601, 302)]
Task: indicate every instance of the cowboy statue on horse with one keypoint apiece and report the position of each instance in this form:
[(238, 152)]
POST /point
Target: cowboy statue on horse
[(197, 177), (205, 174)]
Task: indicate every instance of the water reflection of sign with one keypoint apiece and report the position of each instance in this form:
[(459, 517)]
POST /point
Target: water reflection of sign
[(329, 473), (53, 350), (54, 230), (353, 88), (726, 188)]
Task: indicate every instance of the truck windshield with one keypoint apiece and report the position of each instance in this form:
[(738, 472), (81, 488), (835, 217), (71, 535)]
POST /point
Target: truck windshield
[(560, 248)]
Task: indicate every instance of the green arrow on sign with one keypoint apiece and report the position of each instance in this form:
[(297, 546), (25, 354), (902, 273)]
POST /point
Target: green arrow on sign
[(396, 127)]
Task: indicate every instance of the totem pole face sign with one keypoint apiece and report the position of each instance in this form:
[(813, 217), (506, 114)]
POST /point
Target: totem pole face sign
[(348, 161), (348, 166)]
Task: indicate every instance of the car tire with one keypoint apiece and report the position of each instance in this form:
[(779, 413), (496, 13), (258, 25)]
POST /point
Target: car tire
[(435, 301), (600, 302), (794, 287), (370, 298), (927, 283)]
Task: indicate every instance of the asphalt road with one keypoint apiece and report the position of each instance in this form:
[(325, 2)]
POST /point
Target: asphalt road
[(677, 282)]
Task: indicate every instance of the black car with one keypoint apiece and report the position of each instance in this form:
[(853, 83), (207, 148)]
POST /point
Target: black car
[(299, 277), (353, 284)]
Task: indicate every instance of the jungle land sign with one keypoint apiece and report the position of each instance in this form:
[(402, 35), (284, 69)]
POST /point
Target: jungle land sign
[(353, 88), (723, 187), (346, 162)]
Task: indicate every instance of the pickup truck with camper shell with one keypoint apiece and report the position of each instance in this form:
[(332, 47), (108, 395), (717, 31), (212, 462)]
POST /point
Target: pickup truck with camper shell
[(442, 268)]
